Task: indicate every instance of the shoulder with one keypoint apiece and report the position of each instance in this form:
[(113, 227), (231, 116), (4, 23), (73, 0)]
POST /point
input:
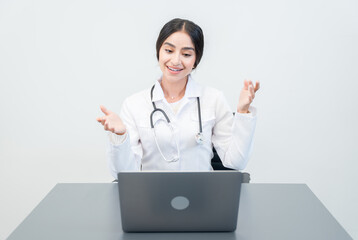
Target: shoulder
[(138, 98), (208, 91), (212, 96), (138, 105)]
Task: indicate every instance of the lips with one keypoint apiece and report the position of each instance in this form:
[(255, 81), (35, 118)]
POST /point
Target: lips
[(174, 70)]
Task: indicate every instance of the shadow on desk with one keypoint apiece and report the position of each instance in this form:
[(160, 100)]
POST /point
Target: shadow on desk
[(179, 236)]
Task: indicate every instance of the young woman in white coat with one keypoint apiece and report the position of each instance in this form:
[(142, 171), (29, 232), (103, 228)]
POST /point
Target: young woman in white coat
[(174, 124)]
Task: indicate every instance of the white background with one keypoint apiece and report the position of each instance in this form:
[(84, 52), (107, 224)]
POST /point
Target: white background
[(59, 60)]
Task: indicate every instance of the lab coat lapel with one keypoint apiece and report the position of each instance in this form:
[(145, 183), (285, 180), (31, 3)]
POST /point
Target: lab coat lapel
[(193, 90)]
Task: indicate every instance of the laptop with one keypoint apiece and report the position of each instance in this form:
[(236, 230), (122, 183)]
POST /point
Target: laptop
[(179, 201)]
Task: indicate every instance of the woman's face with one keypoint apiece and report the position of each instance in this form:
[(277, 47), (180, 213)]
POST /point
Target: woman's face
[(177, 57)]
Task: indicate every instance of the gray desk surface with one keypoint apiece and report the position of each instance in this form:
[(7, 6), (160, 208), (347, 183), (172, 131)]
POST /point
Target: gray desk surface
[(267, 211)]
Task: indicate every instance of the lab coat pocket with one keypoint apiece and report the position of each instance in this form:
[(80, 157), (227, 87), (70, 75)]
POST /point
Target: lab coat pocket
[(162, 137), (145, 123), (144, 131), (163, 132)]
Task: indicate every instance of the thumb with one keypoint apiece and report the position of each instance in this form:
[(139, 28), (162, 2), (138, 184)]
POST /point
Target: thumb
[(105, 110), (257, 86)]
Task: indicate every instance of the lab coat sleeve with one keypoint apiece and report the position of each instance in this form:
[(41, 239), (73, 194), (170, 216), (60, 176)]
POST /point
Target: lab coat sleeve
[(233, 135), (127, 155)]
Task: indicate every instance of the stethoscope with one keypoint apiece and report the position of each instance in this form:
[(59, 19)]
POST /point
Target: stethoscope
[(198, 137)]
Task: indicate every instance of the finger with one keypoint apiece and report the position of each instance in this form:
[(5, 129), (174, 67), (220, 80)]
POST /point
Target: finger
[(252, 92), (257, 86), (250, 82), (111, 128), (105, 125), (100, 119), (105, 110), (246, 84)]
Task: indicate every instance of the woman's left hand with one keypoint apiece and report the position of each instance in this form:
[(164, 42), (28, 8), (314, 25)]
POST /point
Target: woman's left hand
[(247, 95)]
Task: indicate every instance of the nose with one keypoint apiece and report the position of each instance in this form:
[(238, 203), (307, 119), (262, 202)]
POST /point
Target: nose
[(175, 60)]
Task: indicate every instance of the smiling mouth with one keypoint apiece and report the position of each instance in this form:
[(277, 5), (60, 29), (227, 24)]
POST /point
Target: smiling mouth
[(173, 69)]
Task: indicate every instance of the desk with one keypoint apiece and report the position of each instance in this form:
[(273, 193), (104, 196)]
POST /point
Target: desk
[(267, 211)]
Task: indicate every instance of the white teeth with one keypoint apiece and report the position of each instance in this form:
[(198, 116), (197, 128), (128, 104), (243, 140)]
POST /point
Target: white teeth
[(176, 70)]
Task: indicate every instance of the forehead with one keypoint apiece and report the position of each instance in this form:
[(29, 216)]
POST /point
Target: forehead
[(180, 39)]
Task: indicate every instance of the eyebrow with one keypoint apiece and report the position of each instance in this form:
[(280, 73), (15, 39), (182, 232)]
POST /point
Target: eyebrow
[(184, 48)]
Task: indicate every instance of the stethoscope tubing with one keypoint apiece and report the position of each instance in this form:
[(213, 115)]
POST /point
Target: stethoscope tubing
[(166, 116), (198, 136)]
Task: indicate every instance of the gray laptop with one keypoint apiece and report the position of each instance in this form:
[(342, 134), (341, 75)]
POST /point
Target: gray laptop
[(179, 201)]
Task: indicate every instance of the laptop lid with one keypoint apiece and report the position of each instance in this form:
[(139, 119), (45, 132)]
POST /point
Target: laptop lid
[(179, 201)]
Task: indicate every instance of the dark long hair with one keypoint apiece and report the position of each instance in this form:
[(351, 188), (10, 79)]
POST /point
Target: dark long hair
[(193, 30)]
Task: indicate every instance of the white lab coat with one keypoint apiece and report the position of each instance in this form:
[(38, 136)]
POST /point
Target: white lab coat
[(231, 135)]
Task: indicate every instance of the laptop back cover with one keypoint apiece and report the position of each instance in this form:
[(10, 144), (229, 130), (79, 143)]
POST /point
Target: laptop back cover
[(179, 201)]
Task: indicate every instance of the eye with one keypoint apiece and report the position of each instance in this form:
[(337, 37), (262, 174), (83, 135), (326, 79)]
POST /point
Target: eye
[(168, 50), (186, 55)]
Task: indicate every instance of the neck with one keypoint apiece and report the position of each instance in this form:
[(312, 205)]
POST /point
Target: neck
[(174, 91)]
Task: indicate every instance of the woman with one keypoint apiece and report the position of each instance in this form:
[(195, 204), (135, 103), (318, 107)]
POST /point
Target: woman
[(142, 139)]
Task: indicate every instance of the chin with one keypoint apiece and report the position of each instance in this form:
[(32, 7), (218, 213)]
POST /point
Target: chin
[(175, 78)]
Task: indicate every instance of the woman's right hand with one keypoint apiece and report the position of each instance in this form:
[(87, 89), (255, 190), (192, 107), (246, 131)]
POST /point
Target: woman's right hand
[(111, 122)]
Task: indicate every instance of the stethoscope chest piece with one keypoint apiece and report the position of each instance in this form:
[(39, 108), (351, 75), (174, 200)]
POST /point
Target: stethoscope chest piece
[(199, 138)]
